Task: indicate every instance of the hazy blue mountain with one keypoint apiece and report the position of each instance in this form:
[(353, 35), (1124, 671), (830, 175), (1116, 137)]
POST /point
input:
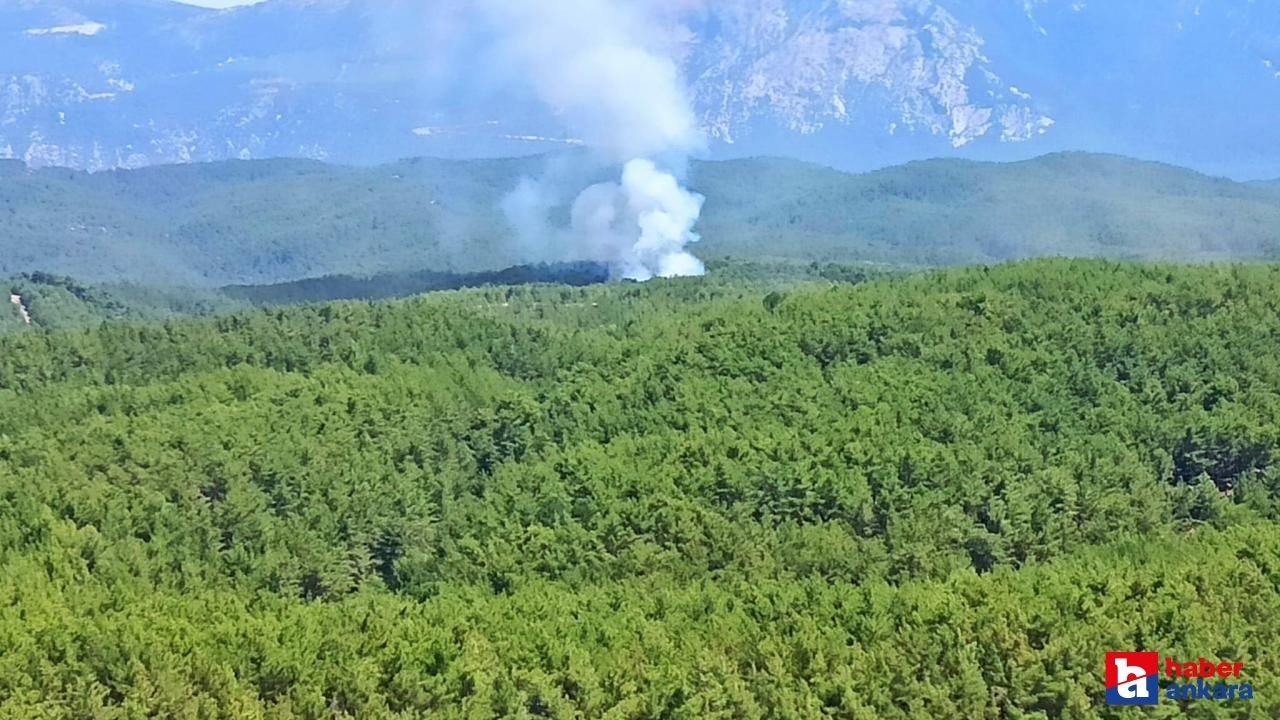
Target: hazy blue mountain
[(270, 221), (852, 83)]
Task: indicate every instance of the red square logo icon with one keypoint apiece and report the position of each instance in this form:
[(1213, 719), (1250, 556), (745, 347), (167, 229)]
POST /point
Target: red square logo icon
[(1133, 678)]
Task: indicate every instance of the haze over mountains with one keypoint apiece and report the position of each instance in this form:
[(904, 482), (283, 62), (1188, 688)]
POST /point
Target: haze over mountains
[(282, 220), (97, 84)]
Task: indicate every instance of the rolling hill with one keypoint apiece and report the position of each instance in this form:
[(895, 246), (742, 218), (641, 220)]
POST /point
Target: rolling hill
[(250, 222), (259, 222), (957, 212), (40, 301)]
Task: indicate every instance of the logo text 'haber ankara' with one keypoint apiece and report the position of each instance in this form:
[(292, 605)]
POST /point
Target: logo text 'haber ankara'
[(1133, 679)]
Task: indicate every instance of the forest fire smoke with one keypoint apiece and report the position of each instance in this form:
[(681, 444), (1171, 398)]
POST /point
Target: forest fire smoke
[(642, 224), (592, 62)]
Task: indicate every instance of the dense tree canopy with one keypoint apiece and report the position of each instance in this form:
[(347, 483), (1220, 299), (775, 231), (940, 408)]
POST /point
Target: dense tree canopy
[(936, 496)]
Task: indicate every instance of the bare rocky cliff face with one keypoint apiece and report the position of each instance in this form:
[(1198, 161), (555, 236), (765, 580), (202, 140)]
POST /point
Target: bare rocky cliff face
[(97, 84), (913, 64)]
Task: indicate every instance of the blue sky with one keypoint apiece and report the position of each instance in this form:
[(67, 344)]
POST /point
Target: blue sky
[(219, 3)]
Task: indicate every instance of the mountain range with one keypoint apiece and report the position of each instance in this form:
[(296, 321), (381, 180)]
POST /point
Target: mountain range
[(270, 221), (858, 84)]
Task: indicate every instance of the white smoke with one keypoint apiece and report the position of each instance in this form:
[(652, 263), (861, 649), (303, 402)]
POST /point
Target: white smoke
[(642, 224), (596, 63)]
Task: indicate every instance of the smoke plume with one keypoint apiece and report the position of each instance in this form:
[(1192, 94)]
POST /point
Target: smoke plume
[(599, 66)]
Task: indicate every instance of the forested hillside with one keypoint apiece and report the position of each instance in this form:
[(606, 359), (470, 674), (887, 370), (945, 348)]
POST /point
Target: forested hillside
[(403, 284), (937, 496), (51, 302), (255, 222), (264, 222), (55, 302), (957, 212), (40, 301)]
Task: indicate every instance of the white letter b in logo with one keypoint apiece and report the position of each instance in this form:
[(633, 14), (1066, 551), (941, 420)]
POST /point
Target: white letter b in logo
[(1131, 681)]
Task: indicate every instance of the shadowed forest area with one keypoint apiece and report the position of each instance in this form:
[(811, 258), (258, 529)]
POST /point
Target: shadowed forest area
[(54, 302), (941, 495)]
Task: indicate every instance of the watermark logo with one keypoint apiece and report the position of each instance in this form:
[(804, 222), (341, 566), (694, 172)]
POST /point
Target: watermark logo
[(1133, 678), (1202, 679)]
